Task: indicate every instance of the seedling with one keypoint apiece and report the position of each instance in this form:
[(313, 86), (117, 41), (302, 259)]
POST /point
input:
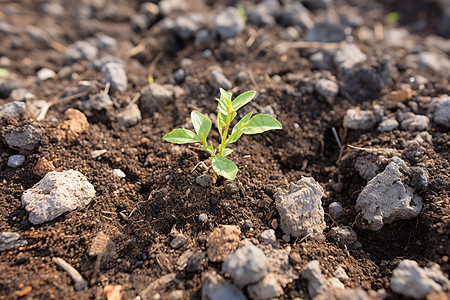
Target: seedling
[(226, 113)]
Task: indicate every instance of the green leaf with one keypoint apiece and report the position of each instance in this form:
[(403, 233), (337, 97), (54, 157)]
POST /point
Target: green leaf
[(243, 99), (261, 123), (226, 96), (227, 151), (224, 167), (237, 127), (202, 124), (181, 136)]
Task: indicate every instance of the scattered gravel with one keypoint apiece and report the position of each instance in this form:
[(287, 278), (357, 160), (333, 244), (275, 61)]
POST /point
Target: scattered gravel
[(268, 237)]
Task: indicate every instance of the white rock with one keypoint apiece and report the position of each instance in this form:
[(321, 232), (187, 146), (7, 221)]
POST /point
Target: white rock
[(335, 210), (215, 287), (367, 166), (266, 289), (279, 264), (359, 119), (45, 74), (328, 89), (317, 284), (119, 173), (441, 110), (411, 280), (388, 125), (300, 209), (348, 55), (386, 198), (57, 193), (246, 265), (116, 75), (268, 237), (340, 274), (415, 123)]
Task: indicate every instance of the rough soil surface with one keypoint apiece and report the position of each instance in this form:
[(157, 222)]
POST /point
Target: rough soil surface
[(123, 236)]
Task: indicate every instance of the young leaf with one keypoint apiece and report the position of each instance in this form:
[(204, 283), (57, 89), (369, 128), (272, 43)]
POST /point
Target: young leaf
[(227, 96), (181, 136), (227, 151), (202, 124), (243, 99), (261, 123), (237, 127), (224, 167)]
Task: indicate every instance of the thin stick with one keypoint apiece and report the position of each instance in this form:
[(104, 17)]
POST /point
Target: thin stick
[(58, 46), (152, 66), (336, 136), (136, 50)]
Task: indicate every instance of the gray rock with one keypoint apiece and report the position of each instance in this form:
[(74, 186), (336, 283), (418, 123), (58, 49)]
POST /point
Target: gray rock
[(154, 97), (81, 50), (52, 8), (185, 27), (12, 110), (246, 265), (410, 280), (228, 23), (415, 122), (97, 102), (45, 74), (396, 37), (139, 22), (204, 180), (279, 262), (328, 89), (24, 138), (180, 75), (178, 242), (300, 209), (106, 42), (6, 87), (335, 210), (21, 95), (15, 161), (326, 32), (419, 177), (116, 75), (204, 38), (388, 125), (340, 274), (218, 80), (264, 13), (348, 56), (37, 34), (99, 62), (323, 59), (441, 110), (291, 33), (215, 287), (10, 240), (195, 262), (345, 235), (387, 198), (57, 193), (295, 14), (203, 218), (268, 237), (130, 116), (359, 119), (266, 289), (367, 166), (317, 284), (435, 62), (166, 7)]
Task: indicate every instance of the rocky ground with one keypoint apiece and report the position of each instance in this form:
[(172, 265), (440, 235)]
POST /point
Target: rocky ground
[(350, 200)]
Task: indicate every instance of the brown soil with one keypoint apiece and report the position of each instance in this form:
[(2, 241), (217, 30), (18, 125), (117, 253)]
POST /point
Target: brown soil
[(159, 194)]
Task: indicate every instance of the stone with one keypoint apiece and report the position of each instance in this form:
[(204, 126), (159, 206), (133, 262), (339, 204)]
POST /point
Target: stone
[(359, 119), (335, 210), (268, 237), (410, 280), (154, 97), (97, 102), (24, 138), (21, 95), (266, 289), (300, 209), (326, 32), (317, 284), (75, 124), (130, 116), (348, 56), (346, 236), (180, 75), (388, 125), (10, 240), (340, 274), (42, 167), (215, 287), (52, 8), (387, 198), (57, 193), (178, 242), (419, 177), (339, 293), (6, 87), (116, 75), (15, 161), (415, 122), (106, 42), (119, 173), (185, 27), (204, 180), (295, 14), (264, 13), (328, 89), (228, 23), (99, 62), (440, 107), (222, 242), (218, 80), (13, 110), (103, 246), (246, 265), (367, 166), (203, 218), (195, 262), (279, 264), (113, 292), (433, 61), (81, 50), (45, 74)]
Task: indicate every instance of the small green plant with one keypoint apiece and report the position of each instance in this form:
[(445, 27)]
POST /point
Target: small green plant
[(226, 113)]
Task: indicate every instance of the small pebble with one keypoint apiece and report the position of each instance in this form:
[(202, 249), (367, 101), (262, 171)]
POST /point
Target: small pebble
[(178, 241), (15, 161), (119, 173), (45, 74), (335, 210), (204, 180), (203, 218), (179, 75)]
